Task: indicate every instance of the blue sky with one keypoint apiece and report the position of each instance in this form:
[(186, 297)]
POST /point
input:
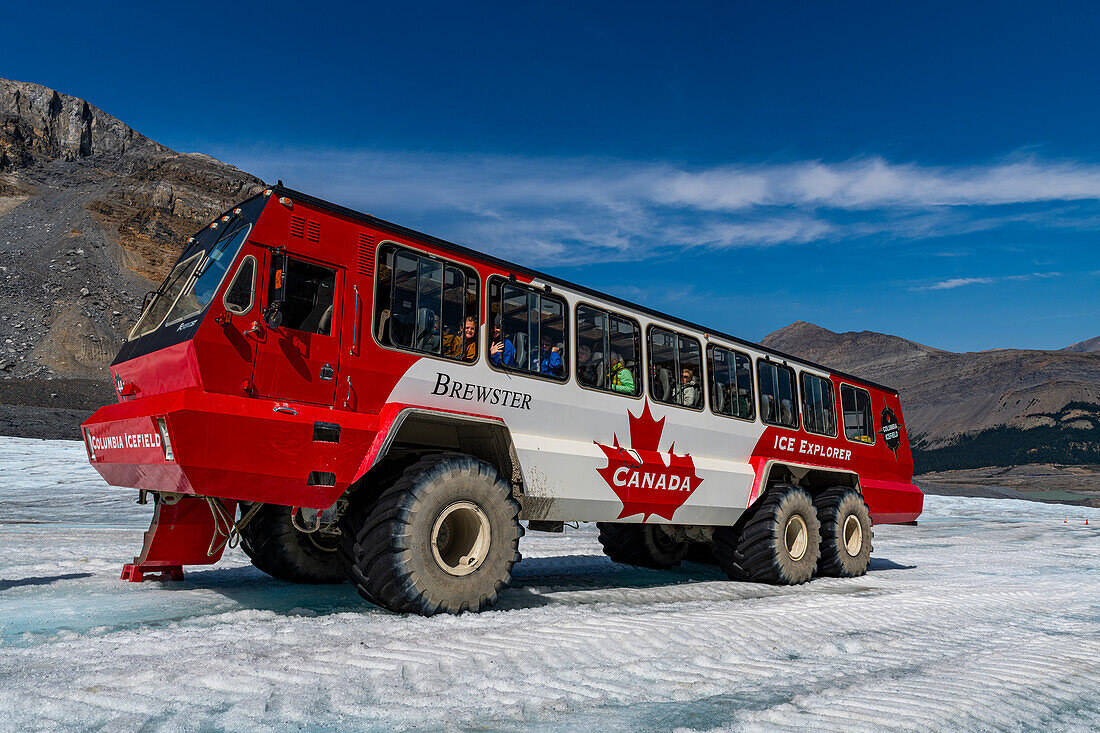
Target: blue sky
[(921, 169)]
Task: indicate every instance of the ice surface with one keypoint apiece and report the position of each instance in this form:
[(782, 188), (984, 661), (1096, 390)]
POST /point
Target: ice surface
[(986, 616)]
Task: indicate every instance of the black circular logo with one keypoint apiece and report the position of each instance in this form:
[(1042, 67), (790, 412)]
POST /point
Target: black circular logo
[(890, 429)]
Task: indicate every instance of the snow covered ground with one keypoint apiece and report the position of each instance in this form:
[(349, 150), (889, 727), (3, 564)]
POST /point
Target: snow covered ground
[(986, 616)]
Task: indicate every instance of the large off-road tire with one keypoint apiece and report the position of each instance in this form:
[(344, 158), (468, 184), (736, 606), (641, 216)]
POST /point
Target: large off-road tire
[(442, 538), (845, 533), (779, 544), (275, 546), (644, 545)]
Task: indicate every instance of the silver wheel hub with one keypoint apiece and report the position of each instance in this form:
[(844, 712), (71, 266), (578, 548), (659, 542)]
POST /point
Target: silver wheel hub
[(460, 538), (853, 535), (796, 537)]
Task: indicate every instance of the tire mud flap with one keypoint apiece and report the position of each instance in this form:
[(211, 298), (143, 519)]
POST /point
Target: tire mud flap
[(180, 534)]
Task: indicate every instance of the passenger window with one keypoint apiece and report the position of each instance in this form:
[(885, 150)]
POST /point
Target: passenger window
[(818, 406), (777, 400), (730, 383), (241, 291), (309, 295), (859, 422), (526, 330), (675, 363), (609, 350), (427, 305)]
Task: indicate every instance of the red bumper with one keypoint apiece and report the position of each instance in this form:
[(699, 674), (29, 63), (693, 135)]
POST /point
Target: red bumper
[(230, 447), (892, 502)]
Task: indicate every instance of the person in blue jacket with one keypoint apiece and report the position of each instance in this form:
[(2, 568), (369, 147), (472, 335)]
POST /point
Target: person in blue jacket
[(550, 363), (501, 350)]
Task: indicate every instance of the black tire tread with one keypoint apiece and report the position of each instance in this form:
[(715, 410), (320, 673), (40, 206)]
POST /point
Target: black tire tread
[(748, 552), (828, 504), (626, 543), (278, 549), (376, 533)]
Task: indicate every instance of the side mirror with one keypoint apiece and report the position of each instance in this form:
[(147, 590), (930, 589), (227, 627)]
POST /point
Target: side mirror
[(273, 317), (147, 300)]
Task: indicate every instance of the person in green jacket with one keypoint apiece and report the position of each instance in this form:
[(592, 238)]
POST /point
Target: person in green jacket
[(621, 378)]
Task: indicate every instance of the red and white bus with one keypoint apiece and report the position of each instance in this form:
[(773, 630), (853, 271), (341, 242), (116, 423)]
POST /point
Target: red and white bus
[(351, 399)]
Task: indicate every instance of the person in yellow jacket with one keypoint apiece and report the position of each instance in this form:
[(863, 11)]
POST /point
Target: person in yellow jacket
[(621, 378), (464, 346)]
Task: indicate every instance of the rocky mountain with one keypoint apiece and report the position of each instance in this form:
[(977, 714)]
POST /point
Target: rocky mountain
[(92, 215), (1092, 344), (999, 407)]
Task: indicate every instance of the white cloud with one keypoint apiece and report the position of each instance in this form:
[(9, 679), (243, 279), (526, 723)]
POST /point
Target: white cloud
[(958, 282), (594, 209)]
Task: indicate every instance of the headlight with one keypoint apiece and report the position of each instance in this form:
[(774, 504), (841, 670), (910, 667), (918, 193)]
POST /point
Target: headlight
[(88, 443), (165, 441)]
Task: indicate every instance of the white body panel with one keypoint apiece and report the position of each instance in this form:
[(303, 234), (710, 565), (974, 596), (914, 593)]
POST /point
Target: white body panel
[(555, 428)]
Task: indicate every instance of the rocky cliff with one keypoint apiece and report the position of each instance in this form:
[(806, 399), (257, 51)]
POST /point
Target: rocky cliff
[(1000, 407), (92, 214)]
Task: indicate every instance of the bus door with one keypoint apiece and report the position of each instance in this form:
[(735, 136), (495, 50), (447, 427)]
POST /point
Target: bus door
[(298, 340)]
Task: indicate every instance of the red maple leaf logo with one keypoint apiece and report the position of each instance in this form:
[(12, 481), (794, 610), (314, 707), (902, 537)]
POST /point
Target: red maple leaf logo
[(640, 476)]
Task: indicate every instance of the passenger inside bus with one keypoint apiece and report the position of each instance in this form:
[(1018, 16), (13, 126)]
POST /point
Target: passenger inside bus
[(622, 380), (464, 346), (688, 392), (501, 350), (587, 371), (550, 362)]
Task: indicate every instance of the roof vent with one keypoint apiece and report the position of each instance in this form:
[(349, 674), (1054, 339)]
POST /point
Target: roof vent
[(366, 254), (297, 226), (313, 231)]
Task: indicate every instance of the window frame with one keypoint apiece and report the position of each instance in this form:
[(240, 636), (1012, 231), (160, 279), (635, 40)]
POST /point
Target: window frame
[(541, 292), (702, 366), (870, 403), (797, 427), (252, 292), (802, 373), (468, 269), (752, 383), (639, 380)]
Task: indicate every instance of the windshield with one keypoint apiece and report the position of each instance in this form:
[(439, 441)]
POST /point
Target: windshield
[(197, 294), (192, 283), (165, 297)]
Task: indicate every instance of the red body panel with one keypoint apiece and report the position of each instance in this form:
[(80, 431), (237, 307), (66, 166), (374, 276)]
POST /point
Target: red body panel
[(885, 476)]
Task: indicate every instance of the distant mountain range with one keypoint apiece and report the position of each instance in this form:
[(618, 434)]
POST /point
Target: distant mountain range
[(92, 215), (984, 408)]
